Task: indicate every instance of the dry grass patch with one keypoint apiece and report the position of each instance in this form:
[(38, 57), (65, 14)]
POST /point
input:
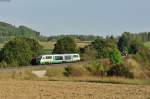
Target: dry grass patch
[(50, 45), (55, 72), (47, 45), (136, 68)]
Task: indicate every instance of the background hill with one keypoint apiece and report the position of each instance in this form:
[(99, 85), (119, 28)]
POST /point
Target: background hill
[(9, 31)]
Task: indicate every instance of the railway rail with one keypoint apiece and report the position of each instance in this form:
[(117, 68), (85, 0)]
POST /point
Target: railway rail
[(40, 67)]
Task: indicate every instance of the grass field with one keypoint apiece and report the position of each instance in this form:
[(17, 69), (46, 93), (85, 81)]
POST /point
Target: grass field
[(47, 45), (13, 89), (50, 45), (147, 44)]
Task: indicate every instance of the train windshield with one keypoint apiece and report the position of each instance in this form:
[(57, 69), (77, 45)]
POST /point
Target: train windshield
[(39, 58)]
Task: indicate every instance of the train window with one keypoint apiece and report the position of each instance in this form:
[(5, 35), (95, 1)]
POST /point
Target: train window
[(39, 58), (44, 58), (58, 57), (48, 57), (75, 56), (67, 57)]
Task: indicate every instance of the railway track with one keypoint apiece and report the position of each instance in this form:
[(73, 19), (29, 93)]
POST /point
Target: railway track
[(41, 67)]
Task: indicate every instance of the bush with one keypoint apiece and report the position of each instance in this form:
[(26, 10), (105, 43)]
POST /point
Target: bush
[(143, 55), (74, 71), (96, 68), (19, 51), (120, 70), (115, 57), (89, 53)]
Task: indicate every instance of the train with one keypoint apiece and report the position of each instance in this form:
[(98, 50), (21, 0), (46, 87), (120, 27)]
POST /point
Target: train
[(56, 58)]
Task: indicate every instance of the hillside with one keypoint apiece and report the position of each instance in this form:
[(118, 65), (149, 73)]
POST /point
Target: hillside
[(8, 31)]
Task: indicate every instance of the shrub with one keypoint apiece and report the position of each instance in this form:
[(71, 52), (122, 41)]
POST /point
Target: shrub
[(115, 57), (74, 71), (96, 68), (19, 51), (120, 70), (89, 53), (143, 55)]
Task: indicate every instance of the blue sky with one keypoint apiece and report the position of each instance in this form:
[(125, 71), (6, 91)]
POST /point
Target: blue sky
[(98, 17)]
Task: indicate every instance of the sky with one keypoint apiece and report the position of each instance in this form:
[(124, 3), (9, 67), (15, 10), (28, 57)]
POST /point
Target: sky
[(95, 17)]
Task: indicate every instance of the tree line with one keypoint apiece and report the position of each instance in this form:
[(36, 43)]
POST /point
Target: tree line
[(20, 51), (8, 31), (19, 48)]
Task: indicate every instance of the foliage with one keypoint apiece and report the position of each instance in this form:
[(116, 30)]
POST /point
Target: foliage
[(88, 53), (8, 31), (115, 57), (65, 45), (19, 51), (103, 47), (120, 70), (129, 42), (96, 68), (135, 46), (143, 55), (76, 37), (124, 41)]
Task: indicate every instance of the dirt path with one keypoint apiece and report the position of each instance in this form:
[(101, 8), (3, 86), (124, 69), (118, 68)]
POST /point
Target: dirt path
[(70, 90)]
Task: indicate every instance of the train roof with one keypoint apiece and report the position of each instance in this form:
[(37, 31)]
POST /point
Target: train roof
[(58, 54)]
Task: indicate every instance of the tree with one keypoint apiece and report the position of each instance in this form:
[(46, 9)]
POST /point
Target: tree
[(130, 42), (135, 46), (115, 57), (103, 47), (124, 41), (65, 45), (19, 51)]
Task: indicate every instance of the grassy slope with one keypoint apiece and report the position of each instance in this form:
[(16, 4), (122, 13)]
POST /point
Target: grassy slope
[(56, 74)]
